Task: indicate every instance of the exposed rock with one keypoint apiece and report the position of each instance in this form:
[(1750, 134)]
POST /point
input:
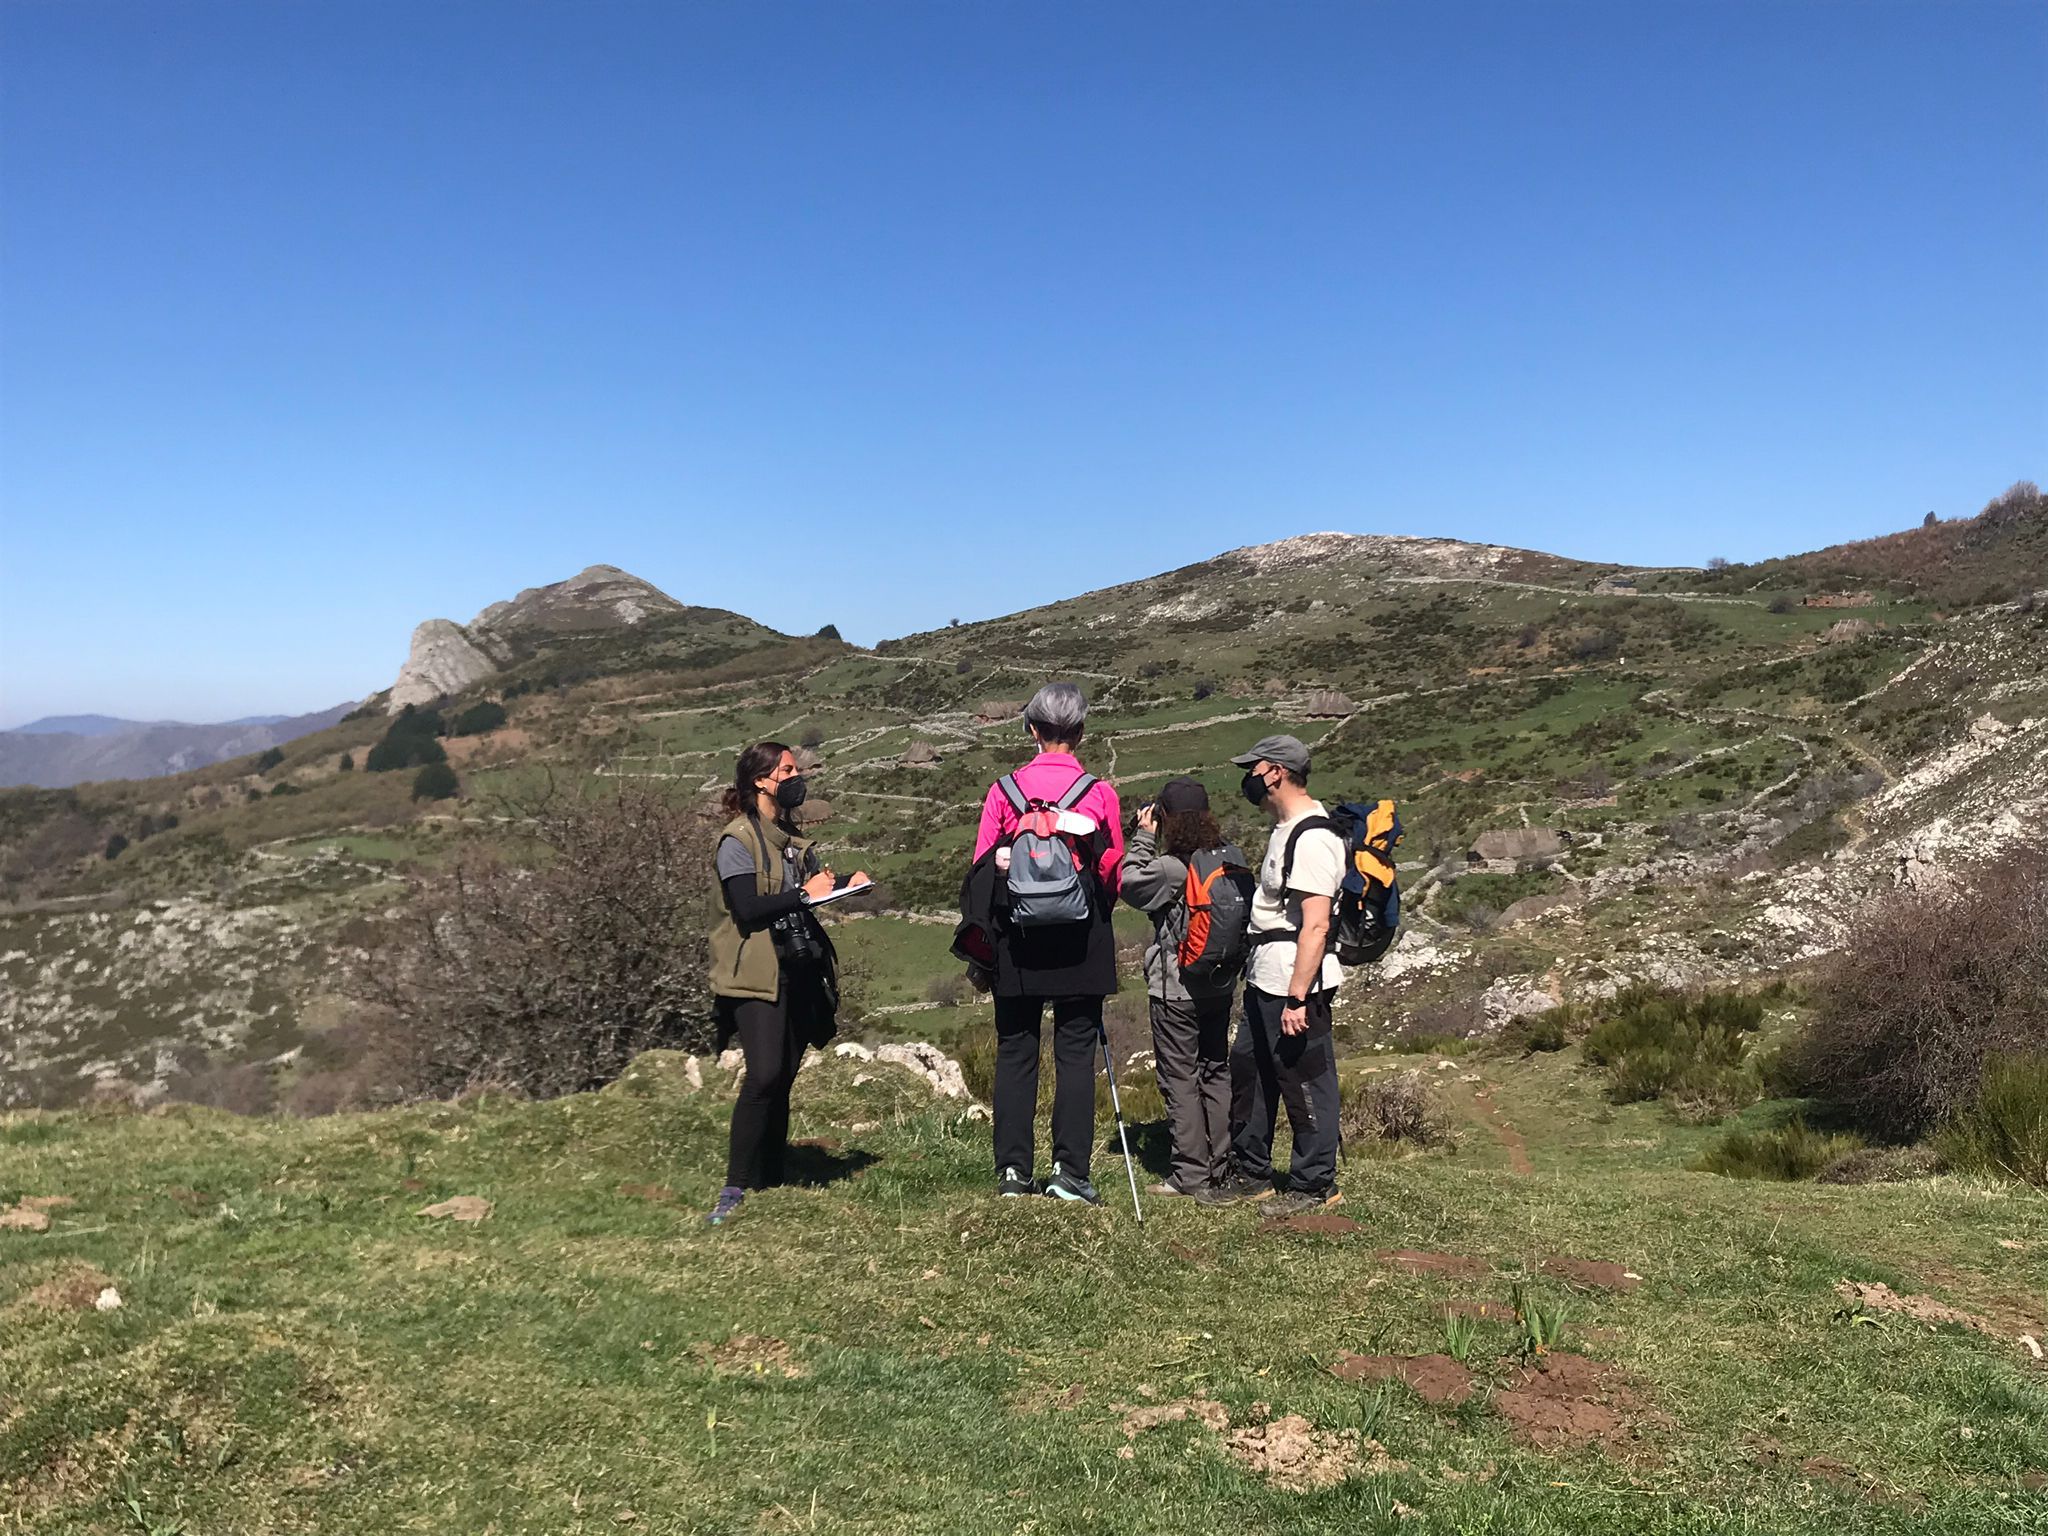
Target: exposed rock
[(1536, 906), (929, 1063), (444, 660), (448, 657), (1511, 998)]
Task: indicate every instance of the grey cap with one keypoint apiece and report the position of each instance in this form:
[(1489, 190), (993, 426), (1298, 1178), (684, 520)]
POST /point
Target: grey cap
[(1282, 751)]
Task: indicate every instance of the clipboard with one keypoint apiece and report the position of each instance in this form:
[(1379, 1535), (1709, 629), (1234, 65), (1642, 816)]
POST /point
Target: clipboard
[(837, 893)]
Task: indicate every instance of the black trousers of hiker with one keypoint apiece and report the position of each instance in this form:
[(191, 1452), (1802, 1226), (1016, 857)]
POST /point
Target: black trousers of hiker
[(1191, 1054), (772, 1036), (1268, 1069), (1075, 1021)]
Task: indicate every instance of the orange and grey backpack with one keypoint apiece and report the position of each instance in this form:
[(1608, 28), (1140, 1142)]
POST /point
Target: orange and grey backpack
[(1218, 904), (1367, 913)]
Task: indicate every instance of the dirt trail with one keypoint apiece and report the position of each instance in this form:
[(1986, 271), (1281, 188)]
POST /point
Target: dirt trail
[(1486, 1113)]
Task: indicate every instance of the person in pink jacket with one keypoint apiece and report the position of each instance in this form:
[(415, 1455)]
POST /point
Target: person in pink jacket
[(1071, 965)]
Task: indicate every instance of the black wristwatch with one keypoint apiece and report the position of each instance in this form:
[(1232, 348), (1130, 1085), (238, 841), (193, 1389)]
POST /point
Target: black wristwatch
[(1297, 1002)]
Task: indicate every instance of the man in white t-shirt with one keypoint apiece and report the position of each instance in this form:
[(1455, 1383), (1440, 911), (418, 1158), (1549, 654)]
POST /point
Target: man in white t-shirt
[(1284, 1053)]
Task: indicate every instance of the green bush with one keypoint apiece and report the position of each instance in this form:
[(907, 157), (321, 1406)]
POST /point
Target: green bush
[(1533, 1032), (1790, 1152), (479, 719), (1689, 1049), (2006, 1131), (347, 763), (270, 759), (436, 781), (116, 846)]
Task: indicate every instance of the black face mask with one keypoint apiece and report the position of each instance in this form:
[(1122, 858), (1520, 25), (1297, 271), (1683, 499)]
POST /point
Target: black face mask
[(789, 794), (1255, 788)]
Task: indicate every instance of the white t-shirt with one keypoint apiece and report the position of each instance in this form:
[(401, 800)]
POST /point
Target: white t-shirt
[(1318, 871)]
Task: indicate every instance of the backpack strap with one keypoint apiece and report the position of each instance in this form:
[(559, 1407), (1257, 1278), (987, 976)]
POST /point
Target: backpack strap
[(1008, 785), (1312, 824), (1075, 791)]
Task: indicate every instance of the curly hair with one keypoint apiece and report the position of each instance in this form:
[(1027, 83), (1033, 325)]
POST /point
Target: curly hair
[(1183, 832), (757, 762)]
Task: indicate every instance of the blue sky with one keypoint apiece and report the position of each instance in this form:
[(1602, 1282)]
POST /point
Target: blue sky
[(317, 320)]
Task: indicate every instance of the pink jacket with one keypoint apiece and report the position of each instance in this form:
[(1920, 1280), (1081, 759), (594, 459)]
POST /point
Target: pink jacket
[(1046, 777)]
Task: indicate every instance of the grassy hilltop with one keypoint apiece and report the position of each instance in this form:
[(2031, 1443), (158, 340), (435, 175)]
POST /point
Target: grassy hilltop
[(889, 1349), (1735, 757), (1537, 1313)]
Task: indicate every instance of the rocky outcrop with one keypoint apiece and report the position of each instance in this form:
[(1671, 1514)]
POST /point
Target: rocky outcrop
[(443, 660), (448, 657)]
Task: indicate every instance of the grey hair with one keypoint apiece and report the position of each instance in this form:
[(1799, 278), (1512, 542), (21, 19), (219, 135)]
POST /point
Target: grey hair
[(1058, 710)]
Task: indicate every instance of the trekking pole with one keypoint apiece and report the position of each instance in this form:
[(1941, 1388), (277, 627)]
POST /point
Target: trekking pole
[(1117, 1108)]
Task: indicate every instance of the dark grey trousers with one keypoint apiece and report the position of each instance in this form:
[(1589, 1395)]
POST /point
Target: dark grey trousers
[(1191, 1054), (1268, 1069)]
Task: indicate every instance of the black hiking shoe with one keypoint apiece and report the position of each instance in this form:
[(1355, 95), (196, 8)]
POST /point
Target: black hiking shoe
[(1236, 1186), (1292, 1201), (1066, 1186), (1013, 1183)]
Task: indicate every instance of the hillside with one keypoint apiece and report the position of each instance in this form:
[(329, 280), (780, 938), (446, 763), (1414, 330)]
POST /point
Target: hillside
[(1606, 774), (241, 1326), (63, 751)]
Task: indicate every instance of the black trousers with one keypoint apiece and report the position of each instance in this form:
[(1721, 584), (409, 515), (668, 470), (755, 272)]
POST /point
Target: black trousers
[(772, 1036), (1268, 1069), (1075, 1021)]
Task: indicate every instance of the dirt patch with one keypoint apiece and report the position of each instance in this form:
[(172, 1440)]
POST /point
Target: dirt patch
[(1314, 1223), (75, 1288), (20, 1218), (1597, 1273), (1205, 1411), (188, 1198), (820, 1143), (660, 1194), (1293, 1455), (1416, 1261), (1045, 1397), (1877, 1297), (1568, 1401), (458, 1208), (1201, 1258), (1436, 1379), (750, 1354)]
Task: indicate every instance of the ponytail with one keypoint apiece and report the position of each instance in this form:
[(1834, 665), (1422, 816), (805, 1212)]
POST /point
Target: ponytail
[(757, 762)]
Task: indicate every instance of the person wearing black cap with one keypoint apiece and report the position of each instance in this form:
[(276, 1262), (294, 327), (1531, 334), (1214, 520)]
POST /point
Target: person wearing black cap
[(1190, 1018), (1284, 1053)]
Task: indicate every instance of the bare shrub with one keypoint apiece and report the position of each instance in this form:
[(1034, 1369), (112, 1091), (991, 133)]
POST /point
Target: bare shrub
[(948, 991), (1928, 986), (548, 978), (1403, 1107), (249, 1088)]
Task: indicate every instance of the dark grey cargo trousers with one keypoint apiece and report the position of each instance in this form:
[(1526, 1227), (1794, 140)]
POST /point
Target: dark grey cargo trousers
[(1268, 1069)]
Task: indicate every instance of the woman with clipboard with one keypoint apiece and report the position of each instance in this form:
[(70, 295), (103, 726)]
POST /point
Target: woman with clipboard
[(773, 971)]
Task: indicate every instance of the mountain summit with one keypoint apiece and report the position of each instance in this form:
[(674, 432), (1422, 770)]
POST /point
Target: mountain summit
[(447, 657)]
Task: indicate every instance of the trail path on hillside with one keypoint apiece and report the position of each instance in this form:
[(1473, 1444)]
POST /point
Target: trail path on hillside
[(1476, 1102)]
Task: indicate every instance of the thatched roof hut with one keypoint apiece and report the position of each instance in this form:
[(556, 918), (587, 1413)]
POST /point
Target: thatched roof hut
[(811, 812), (1329, 704), (920, 754)]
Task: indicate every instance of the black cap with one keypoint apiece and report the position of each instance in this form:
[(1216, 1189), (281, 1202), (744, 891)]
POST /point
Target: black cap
[(1182, 795)]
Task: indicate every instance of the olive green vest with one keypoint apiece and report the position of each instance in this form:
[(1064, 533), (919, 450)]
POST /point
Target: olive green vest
[(745, 965)]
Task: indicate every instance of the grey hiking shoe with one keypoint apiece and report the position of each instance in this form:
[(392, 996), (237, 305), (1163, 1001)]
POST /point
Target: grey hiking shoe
[(1013, 1183), (728, 1206), (1066, 1186)]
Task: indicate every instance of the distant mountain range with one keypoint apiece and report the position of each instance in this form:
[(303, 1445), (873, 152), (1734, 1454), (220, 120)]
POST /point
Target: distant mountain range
[(61, 750)]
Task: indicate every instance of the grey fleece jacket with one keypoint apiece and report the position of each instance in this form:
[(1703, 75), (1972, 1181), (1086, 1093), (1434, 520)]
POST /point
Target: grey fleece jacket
[(1153, 883)]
